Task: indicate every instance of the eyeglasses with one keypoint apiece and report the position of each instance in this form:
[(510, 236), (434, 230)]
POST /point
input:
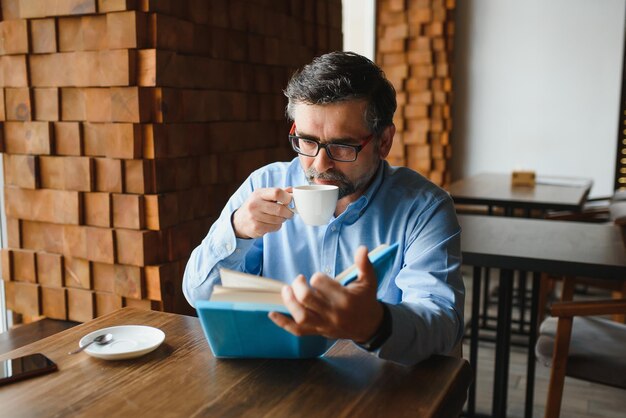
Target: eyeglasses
[(335, 151)]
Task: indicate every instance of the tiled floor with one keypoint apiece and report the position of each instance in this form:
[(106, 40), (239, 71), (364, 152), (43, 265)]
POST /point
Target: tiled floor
[(580, 398)]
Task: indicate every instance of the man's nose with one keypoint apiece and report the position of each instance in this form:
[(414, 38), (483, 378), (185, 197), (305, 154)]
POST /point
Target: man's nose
[(322, 161)]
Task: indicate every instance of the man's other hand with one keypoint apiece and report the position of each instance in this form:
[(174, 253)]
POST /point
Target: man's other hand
[(327, 308)]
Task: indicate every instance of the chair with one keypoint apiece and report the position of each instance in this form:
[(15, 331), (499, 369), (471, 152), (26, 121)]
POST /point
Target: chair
[(612, 209), (579, 345)]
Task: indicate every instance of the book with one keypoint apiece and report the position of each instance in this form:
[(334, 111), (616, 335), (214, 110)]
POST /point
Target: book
[(235, 321)]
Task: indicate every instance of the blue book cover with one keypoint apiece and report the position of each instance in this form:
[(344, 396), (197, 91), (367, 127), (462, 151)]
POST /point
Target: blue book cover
[(235, 320)]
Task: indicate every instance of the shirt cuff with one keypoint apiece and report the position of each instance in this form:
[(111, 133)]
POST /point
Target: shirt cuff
[(383, 332), (225, 243)]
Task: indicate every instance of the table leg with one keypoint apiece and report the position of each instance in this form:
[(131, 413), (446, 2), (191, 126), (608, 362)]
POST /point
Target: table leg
[(486, 298), (471, 398), (522, 300), (532, 340), (503, 341)]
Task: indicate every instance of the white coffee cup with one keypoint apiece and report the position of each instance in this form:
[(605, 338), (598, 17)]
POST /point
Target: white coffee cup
[(315, 203)]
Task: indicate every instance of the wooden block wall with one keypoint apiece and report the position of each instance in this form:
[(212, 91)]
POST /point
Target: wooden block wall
[(126, 126), (414, 48)]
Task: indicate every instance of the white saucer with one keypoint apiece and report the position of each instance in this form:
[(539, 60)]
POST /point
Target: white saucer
[(129, 341)]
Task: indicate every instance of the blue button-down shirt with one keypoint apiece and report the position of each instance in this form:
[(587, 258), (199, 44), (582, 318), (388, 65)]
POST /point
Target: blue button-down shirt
[(424, 289)]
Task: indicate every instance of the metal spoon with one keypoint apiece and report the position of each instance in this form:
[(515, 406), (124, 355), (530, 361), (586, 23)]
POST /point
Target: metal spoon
[(100, 340)]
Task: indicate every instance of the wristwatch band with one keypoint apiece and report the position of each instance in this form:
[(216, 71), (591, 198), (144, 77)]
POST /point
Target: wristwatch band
[(383, 332)]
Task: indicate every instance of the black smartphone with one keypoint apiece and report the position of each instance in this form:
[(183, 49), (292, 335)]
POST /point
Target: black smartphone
[(24, 367)]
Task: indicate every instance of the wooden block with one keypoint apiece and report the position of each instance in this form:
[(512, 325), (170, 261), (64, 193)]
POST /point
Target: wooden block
[(70, 34), (67, 173), (97, 104), (50, 269), (2, 109), (45, 8), (55, 206), (416, 111), (162, 281), (46, 104), (94, 32), (138, 248), (95, 139), (169, 103), (13, 233), (106, 6), (139, 176), (14, 71), (109, 175), (103, 277), (7, 265), (129, 281), (128, 211), (23, 298), (78, 173), (161, 211), (18, 103), (10, 9), (13, 37), (74, 241), (28, 137), (107, 302), (77, 273), (24, 265), (21, 171), (9, 295), (43, 36), (80, 305), (68, 138), (78, 69), (54, 302), (127, 30), (113, 140), (41, 236), (53, 70), (116, 67), (172, 34), (145, 304), (100, 245), (132, 104), (73, 104), (98, 209), (181, 240)]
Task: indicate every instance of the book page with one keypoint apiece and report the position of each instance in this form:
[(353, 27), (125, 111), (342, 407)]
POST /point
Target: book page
[(222, 294), (238, 280)]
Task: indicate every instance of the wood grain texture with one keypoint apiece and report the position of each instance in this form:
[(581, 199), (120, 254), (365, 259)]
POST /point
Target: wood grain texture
[(182, 378), (50, 269), (43, 35)]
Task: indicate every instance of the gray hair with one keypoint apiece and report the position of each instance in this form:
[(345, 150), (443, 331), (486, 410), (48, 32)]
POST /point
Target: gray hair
[(343, 76)]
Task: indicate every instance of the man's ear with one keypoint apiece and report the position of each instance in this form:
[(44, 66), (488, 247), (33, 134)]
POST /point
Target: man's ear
[(386, 140)]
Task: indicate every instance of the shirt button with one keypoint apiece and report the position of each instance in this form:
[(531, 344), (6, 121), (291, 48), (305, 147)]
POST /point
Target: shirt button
[(333, 228), (327, 270), (228, 247)]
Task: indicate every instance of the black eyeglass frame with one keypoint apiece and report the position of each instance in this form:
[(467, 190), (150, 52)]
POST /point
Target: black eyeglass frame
[(357, 148)]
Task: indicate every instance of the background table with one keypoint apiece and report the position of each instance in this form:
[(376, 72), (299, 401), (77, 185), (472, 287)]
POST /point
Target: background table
[(182, 378), (540, 246), (494, 189)]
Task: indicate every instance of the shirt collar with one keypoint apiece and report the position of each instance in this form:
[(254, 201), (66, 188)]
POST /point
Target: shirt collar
[(355, 209)]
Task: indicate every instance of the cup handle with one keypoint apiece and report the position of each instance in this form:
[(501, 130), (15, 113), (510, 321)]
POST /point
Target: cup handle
[(292, 209)]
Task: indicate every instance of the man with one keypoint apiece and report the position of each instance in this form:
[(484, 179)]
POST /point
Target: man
[(342, 107)]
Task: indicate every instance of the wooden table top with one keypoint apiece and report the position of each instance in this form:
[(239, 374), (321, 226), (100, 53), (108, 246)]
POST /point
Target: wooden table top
[(558, 247), (182, 378), (494, 189)]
